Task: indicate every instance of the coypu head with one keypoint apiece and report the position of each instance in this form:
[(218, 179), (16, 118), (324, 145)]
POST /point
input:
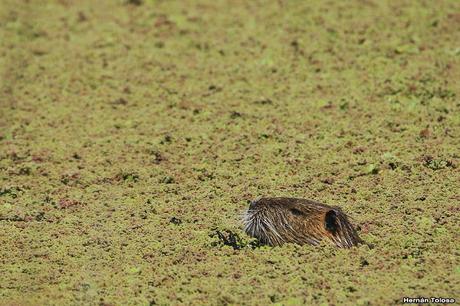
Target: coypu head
[(275, 221)]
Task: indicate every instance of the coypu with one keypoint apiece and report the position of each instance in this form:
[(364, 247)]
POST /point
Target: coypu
[(275, 221)]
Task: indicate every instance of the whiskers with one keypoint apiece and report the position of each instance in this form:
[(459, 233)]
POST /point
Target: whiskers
[(259, 224), (248, 219)]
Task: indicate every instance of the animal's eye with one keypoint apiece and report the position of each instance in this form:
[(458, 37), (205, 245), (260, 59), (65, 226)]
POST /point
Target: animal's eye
[(296, 212)]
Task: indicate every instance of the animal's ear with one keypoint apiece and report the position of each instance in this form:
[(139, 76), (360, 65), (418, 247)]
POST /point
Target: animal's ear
[(330, 221)]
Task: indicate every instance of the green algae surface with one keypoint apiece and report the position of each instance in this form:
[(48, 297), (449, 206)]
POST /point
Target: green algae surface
[(133, 133)]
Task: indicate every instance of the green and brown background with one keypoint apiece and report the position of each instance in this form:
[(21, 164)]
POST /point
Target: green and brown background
[(133, 133)]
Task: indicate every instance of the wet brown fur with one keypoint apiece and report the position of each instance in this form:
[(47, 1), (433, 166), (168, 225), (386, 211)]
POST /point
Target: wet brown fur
[(275, 221)]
